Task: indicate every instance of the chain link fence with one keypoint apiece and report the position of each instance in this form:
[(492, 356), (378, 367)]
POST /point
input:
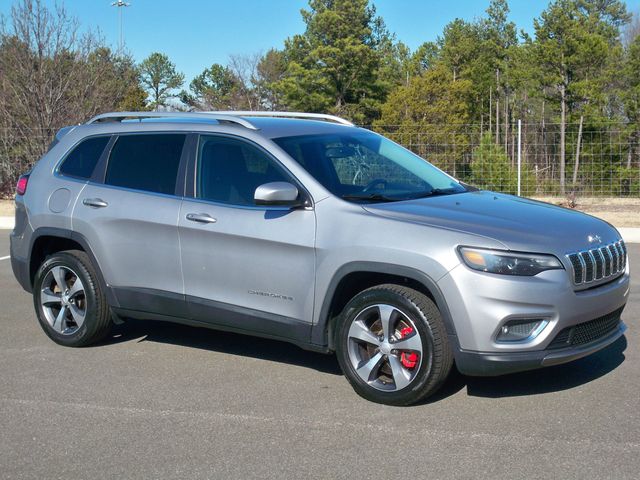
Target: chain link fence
[(599, 162)]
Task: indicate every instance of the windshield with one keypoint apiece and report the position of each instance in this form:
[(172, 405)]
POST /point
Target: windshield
[(365, 167)]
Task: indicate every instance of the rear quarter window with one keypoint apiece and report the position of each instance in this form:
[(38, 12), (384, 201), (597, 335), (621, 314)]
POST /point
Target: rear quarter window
[(146, 162), (82, 160)]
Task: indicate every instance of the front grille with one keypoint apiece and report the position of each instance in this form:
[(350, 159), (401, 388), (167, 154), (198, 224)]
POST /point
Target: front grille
[(586, 332), (598, 263)]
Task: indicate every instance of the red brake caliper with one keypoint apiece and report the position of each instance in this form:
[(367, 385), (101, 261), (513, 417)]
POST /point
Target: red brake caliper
[(409, 360)]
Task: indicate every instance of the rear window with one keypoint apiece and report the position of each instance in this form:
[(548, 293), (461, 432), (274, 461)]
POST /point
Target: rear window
[(83, 159), (146, 162)]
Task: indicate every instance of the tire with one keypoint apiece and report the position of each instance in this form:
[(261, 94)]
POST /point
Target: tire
[(87, 318), (369, 355)]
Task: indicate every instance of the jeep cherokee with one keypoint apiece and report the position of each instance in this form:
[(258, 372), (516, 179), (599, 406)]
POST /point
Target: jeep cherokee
[(306, 228)]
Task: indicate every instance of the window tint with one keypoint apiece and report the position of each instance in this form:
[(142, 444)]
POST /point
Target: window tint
[(146, 162), (229, 171), (83, 159), (364, 166)]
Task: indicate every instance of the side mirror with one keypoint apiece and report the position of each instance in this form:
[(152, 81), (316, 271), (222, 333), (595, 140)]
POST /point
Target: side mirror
[(277, 193)]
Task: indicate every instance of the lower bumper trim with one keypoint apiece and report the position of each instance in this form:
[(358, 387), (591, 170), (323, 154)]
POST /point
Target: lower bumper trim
[(499, 363), (21, 272)]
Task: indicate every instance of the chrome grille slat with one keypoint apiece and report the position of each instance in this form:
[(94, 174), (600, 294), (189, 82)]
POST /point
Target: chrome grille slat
[(623, 259), (614, 259), (584, 268), (619, 250), (589, 266), (606, 256), (598, 263)]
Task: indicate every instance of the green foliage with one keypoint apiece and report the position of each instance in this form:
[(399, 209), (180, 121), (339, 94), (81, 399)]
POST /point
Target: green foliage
[(631, 92), (270, 70), (626, 182), (159, 75), (119, 81), (578, 51), (213, 89), (425, 57), (472, 83), (433, 97), (459, 47), (432, 110), (491, 169), (336, 65), (134, 100)]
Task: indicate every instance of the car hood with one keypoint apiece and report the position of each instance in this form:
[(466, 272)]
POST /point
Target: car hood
[(518, 223)]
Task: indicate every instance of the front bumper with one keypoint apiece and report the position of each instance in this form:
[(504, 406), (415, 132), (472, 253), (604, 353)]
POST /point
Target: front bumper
[(480, 304), (501, 363)]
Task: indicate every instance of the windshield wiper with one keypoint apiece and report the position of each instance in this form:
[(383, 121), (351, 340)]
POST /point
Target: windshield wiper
[(435, 192), (371, 197), (378, 197)]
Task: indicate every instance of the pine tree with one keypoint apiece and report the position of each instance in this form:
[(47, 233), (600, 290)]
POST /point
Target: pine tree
[(333, 67), (574, 39), (159, 75), (432, 110)]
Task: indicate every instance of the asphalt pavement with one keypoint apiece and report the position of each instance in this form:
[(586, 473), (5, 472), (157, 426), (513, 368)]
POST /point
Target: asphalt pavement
[(158, 400)]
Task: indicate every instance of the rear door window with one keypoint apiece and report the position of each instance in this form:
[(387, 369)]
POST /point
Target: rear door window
[(82, 160), (146, 162)]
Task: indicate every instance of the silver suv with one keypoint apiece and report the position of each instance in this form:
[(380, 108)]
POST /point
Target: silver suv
[(305, 228)]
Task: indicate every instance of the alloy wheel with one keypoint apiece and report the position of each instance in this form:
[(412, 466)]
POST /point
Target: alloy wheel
[(385, 348), (63, 300)]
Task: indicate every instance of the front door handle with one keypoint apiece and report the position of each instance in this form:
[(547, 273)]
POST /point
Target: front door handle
[(201, 218), (94, 202)]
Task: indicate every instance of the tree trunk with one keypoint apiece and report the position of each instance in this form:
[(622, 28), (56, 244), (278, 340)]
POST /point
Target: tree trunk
[(577, 163), (156, 97), (563, 114), (513, 144), (524, 129), (490, 112), (497, 107), (506, 124), (481, 117), (544, 141), (633, 140)]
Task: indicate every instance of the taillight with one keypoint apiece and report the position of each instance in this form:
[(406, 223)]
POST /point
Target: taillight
[(21, 187)]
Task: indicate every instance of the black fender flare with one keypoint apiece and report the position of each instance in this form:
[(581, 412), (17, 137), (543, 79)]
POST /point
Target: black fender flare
[(82, 241), (321, 334)]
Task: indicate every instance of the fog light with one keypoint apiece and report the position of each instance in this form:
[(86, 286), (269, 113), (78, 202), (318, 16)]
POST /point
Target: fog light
[(521, 330)]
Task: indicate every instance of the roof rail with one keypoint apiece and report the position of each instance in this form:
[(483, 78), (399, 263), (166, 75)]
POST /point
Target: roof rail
[(311, 116), (218, 116)]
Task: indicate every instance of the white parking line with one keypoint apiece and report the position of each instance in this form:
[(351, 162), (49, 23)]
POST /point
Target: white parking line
[(5, 258)]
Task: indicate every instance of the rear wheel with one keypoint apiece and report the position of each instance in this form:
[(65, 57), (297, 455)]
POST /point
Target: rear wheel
[(69, 303), (392, 345)]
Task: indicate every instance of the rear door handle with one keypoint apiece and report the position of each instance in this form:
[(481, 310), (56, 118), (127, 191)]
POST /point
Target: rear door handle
[(95, 202), (201, 218)]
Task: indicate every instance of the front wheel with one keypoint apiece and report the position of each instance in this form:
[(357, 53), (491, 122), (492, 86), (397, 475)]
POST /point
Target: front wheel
[(392, 345)]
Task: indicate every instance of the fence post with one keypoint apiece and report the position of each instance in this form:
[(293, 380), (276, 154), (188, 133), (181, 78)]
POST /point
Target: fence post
[(519, 154)]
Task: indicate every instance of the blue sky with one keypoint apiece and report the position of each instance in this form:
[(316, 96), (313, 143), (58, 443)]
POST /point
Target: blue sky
[(197, 33)]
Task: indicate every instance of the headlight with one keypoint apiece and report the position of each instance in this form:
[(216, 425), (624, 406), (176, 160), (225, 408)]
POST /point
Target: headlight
[(508, 263)]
